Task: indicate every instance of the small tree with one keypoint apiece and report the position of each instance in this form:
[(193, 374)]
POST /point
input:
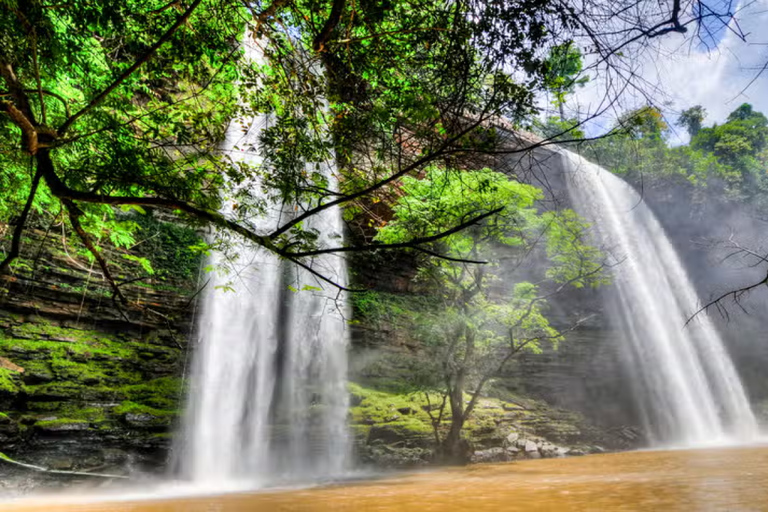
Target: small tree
[(564, 73), (692, 119), (483, 321)]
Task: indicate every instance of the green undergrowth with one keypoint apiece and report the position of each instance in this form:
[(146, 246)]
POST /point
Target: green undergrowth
[(402, 412), (406, 414), (377, 309), (56, 342), (403, 418)]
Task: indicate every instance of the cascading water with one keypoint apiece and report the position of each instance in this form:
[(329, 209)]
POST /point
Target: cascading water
[(268, 399), (689, 391)]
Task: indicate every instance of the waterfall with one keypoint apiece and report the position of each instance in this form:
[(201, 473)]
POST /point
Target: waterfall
[(688, 389), (268, 401)]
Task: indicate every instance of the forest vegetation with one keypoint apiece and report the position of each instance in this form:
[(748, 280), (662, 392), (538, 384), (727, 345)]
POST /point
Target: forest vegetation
[(113, 116)]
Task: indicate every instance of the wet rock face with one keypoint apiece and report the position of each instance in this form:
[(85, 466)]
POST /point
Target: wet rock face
[(497, 431), (84, 393), (84, 385)]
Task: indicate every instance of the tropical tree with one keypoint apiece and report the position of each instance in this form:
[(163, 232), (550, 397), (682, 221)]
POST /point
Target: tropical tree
[(692, 119), (124, 105), (482, 320), (564, 73)]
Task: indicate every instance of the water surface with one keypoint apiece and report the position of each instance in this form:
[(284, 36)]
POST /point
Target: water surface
[(732, 479)]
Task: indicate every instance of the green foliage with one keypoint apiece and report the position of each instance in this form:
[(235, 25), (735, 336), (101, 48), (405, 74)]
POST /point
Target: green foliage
[(173, 250), (155, 132), (476, 321), (556, 129), (692, 119), (572, 260), (563, 72), (444, 199), (728, 161), (644, 123)]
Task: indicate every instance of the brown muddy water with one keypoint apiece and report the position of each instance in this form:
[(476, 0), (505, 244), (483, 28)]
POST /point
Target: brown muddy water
[(729, 479)]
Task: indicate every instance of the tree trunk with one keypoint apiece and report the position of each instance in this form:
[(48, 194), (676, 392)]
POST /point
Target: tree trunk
[(455, 449)]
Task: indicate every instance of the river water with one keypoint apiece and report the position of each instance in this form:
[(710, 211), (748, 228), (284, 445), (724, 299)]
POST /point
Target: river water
[(732, 479)]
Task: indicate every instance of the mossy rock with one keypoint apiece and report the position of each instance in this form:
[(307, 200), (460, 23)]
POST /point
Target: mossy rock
[(142, 416), (10, 383), (405, 434), (160, 394), (61, 425)]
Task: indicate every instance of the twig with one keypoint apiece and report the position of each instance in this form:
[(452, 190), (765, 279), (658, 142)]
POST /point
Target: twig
[(41, 469)]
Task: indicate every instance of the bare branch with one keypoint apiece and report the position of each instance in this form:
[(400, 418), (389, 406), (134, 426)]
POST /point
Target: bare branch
[(41, 469), (74, 218), (736, 295), (429, 157)]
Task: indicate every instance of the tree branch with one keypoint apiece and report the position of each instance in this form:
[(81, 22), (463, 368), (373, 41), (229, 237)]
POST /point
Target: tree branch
[(379, 184), (734, 294), (128, 72), (60, 190), (41, 469), (264, 15), (17, 91), (403, 245), (19, 229), (449, 258), (330, 24), (28, 132), (74, 218)]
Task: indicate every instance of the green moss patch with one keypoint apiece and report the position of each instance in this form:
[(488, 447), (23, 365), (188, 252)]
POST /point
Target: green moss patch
[(161, 394), (62, 425), (389, 416), (9, 382)]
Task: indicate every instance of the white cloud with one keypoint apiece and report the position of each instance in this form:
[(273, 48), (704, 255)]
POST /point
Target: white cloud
[(679, 75)]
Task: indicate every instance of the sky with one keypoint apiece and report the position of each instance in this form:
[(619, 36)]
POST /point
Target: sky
[(684, 72)]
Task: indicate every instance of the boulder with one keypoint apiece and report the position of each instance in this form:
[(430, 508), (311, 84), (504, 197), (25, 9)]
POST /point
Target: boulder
[(139, 419), (490, 455)]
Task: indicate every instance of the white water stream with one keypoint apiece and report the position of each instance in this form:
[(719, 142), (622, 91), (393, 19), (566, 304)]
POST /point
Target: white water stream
[(688, 389), (268, 400)]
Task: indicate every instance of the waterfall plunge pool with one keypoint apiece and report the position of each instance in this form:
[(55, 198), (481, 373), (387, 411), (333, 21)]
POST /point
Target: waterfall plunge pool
[(703, 479)]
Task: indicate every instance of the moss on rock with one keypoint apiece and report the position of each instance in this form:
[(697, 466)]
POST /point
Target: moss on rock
[(9, 382), (61, 425), (395, 429)]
